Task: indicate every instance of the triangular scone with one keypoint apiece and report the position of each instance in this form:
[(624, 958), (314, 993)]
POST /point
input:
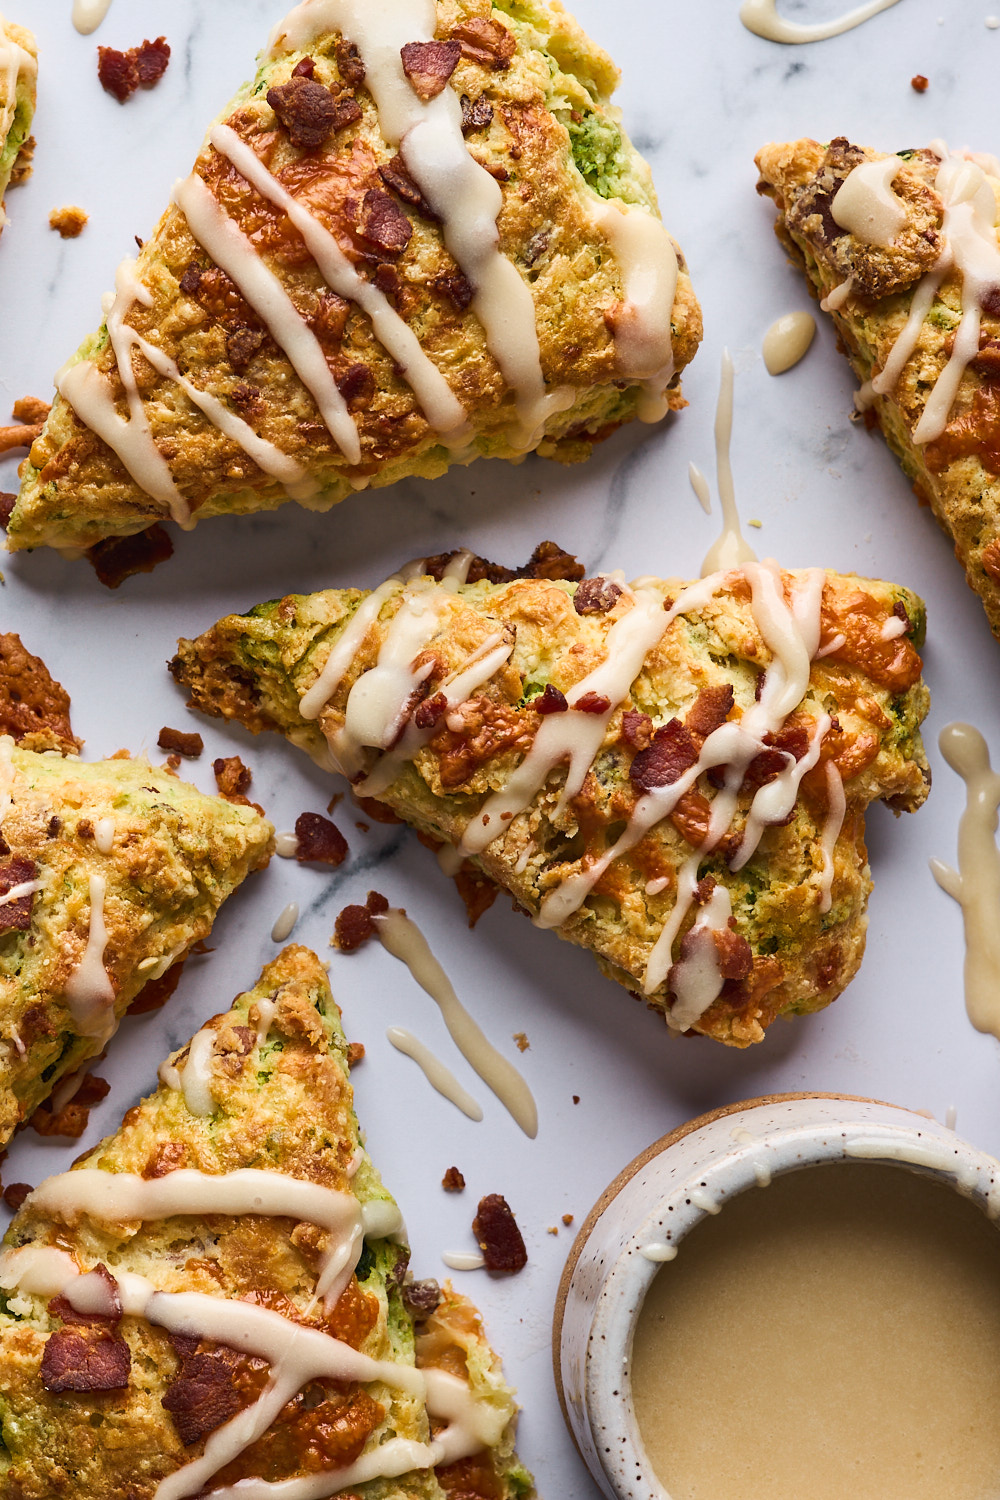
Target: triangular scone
[(724, 739), (418, 236), (254, 1238), (18, 77), (904, 251), (109, 872)]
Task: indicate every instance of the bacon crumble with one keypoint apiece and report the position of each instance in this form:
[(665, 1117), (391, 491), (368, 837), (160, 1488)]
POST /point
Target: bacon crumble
[(87, 1354), (121, 73), (189, 745), (458, 289), (429, 65), (15, 1194), (671, 752), (320, 841), (595, 596), (381, 224), (232, 777), (395, 176), (206, 1392), (552, 701), (350, 63), (485, 42), (15, 916), (476, 113), (354, 925), (453, 1181), (498, 1236), (592, 703), (72, 1120), (119, 557), (308, 111)]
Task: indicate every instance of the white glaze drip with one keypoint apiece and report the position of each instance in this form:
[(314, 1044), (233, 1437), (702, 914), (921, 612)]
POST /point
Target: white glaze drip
[(658, 1251), (438, 1076), (286, 921), (401, 937), (234, 253), (787, 340), (286, 845), (440, 406), (975, 885), (88, 14), (833, 823), (865, 204), (463, 1260), (732, 548), (835, 299), (464, 195), (341, 655), (104, 835), (196, 1074), (18, 892), (89, 991), (762, 18)]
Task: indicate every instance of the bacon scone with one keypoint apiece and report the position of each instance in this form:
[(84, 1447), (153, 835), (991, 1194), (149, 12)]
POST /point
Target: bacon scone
[(215, 1301), (904, 252), (18, 79), (109, 872), (418, 236), (672, 775)]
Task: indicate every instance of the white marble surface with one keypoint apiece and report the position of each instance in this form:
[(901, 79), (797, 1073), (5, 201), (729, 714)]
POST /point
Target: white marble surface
[(700, 95)]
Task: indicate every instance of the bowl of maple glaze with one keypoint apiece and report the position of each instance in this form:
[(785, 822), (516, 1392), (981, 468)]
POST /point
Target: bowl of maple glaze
[(795, 1295)]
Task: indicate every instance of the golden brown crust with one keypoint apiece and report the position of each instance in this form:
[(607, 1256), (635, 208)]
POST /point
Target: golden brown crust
[(34, 708)]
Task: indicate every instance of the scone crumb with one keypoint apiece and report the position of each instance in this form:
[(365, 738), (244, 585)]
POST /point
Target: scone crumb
[(355, 1053), (919, 84), (567, 1219), (453, 1181), (521, 1039), (552, 1229), (70, 220)]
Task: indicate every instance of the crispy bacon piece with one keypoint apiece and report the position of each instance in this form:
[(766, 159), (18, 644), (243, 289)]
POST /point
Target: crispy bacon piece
[(7, 502), (552, 701), (15, 1195), (349, 61), (72, 1120), (592, 703), (791, 739), (478, 891), (357, 386), (85, 1357), (242, 344), (320, 841), (637, 729), (304, 68), (550, 561), (306, 109), (232, 777), (381, 224), (476, 113), (31, 701), (15, 916), (709, 711), (430, 711), (485, 42), (395, 176), (156, 992), (121, 73), (595, 596), (354, 925), (670, 753), (119, 557), (208, 1389), (735, 954), (377, 811), (61, 1307), (422, 1297), (460, 292), (499, 1238), (429, 65), (453, 1181), (181, 743)]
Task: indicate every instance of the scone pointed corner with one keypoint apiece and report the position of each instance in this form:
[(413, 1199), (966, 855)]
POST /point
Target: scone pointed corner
[(396, 252), (903, 251), (619, 758), (231, 1250), (110, 872)]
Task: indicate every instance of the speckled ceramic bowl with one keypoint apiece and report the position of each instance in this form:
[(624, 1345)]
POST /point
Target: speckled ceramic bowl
[(645, 1213)]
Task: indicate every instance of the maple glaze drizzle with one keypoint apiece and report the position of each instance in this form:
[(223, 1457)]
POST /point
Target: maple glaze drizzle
[(762, 18)]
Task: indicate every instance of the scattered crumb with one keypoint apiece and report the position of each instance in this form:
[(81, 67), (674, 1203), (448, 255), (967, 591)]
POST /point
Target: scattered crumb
[(918, 83), (15, 1195), (319, 841), (453, 1181), (173, 762), (175, 740), (362, 827), (567, 1219), (755, 522), (552, 1229), (993, 22), (522, 1041), (498, 1236), (232, 778), (576, 1098), (69, 220), (355, 1053), (354, 925), (337, 797)]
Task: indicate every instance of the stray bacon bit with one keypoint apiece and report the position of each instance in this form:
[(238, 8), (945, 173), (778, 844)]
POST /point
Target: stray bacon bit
[(567, 1219), (377, 811), (421, 1297), (121, 73), (595, 596), (899, 610), (592, 703), (156, 992), (119, 557), (703, 890), (72, 1120), (476, 113), (552, 701), (381, 224), (232, 777), (550, 561), (320, 841), (7, 502), (477, 891), (34, 708), (430, 711), (357, 386), (190, 745), (429, 65), (521, 1039), (395, 176), (671, 752), (206, 1391), (242, 344), (485, 42), (350, 63), (70, 221), (306, 109), (15, 1195), (499, 1238), (637, 729), (354, 925), (85, 1356), (457, 288), (919, 83), (355, 1053), (15, 916), (304, 68), (453, 1181)]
